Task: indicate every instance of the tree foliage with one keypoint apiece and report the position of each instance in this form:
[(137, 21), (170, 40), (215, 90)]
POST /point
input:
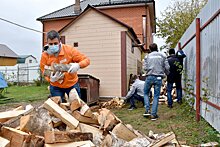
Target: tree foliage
[(176, 18)]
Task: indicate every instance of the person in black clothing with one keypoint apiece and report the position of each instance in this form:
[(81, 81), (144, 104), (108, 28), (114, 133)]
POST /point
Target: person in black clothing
[(176, 67)]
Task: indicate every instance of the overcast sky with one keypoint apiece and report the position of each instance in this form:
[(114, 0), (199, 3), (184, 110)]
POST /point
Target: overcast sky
[(25, 12)]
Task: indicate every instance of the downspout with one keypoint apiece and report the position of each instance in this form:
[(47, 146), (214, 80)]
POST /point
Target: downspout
[(198, 64), (144, 30)]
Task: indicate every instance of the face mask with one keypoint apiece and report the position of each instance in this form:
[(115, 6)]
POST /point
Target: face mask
[(53, 49)]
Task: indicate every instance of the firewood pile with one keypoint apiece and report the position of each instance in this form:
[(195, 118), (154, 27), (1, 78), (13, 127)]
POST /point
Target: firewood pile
[(72, 124), (113, 103)]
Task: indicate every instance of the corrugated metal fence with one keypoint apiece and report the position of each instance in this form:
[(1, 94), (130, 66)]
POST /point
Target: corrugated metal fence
[(201, 43)]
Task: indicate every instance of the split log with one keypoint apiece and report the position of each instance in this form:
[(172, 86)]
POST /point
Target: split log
[(56, 121), (16, 137), (87, 143), (56, 99), (65, 137), (60, 113), (15, 122), (84, 119), (75, 104), (107, 142), (65, 106), (107, 119), (121, 131), (168, 137), (18, 108), (34, 124), (97, 134), (33, 141), (5, 116), (85, 110), (4, 142)]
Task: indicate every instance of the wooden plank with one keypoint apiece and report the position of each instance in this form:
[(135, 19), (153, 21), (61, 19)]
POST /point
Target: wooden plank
[(84, 119), (60, 113), (65, 137), (121, 131), (4, 142), (168, 137), (16, 137), (87, 143)]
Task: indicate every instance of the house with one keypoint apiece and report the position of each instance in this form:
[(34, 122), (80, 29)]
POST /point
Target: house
[(7, 56), (107, 33), (138, 14), (110, 45), (26, 59)]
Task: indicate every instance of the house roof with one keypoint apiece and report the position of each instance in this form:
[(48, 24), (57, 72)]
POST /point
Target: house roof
[(69, 10), (7, 52), (89, 7)]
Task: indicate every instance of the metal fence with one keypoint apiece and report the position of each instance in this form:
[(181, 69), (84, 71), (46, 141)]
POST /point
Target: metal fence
[(201, 43), (21, 73)]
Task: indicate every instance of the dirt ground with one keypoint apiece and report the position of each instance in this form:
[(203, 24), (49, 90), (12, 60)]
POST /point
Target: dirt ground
[(7, 107)]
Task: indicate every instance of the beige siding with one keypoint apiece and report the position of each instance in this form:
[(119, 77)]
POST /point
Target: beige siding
[(132, 57), (100, 39)]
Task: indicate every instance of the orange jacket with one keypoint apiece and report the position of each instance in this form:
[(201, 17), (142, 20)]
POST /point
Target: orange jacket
[(67, 55)]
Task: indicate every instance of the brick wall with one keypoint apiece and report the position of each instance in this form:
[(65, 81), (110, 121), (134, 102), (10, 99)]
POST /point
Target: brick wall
[(133, 17)]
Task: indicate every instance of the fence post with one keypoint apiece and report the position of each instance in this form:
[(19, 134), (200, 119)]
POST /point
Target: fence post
[(179, 46), (198, 47)]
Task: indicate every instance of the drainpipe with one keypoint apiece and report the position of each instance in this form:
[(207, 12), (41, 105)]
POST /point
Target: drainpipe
[(76, 7), (144, 30), (198, 64)]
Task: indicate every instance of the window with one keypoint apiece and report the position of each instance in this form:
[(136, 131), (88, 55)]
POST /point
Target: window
[(75, 44), (30, 61)]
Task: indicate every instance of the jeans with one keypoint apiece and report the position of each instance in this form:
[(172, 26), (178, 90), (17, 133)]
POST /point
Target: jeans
[(56, 91), (137, 97), (150, 81), (178, 91)]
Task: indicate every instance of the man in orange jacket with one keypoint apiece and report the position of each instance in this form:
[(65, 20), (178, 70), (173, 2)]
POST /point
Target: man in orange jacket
[(62, 54)]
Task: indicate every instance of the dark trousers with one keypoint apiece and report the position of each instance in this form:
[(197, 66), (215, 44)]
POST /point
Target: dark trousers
[(134, 97), (56, 91), (178, 90)]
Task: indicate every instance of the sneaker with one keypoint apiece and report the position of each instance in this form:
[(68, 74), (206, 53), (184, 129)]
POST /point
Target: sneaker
[(152, 117), (132, 108), (147, 113), (170, 106)]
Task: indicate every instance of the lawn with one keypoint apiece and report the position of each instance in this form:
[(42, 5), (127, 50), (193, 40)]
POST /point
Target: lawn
[(15, 94), (179, 119)]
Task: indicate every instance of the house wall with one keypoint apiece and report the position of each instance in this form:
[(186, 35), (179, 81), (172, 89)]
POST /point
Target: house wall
[(132, 58), (4, 61), (99, 38), (27, 60), (133, 17)]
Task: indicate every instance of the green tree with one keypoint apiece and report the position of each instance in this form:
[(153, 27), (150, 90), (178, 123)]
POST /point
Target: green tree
[(176, 18)]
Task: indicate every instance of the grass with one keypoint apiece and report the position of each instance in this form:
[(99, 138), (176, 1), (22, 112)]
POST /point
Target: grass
[(179, 120), (15, 94)]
